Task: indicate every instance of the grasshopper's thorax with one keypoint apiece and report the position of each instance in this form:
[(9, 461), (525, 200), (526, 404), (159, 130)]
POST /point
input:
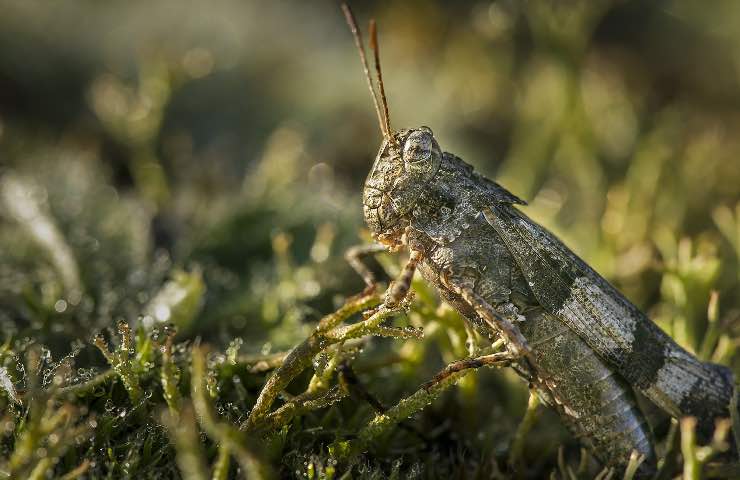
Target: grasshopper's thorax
[(405, 163)]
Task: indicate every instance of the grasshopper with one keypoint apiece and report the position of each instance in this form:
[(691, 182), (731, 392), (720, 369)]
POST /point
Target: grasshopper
[(583, 347)]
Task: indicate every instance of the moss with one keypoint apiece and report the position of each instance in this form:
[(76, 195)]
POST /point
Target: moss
[(174, 301)]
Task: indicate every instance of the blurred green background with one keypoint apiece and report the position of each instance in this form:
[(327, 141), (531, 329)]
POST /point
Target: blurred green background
[(202, 164)]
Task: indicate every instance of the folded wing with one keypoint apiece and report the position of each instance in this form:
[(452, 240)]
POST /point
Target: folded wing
[(614, 328)]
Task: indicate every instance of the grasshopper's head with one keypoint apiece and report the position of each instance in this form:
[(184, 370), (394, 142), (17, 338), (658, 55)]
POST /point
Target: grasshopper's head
[(407, 159), (406, 162)]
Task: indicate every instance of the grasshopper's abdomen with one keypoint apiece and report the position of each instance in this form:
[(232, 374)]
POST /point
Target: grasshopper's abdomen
[(595, 403)]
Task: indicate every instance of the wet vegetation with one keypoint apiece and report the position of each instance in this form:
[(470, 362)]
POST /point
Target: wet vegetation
[(178, 184)]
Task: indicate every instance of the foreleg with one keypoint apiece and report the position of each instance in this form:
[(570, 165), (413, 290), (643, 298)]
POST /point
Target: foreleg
[(399, 288), (355, 257)]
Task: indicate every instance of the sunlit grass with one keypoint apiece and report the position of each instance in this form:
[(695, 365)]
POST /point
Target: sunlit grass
[(170, 310)]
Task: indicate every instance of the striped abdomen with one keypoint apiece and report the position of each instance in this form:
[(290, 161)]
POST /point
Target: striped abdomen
[(597, 405)]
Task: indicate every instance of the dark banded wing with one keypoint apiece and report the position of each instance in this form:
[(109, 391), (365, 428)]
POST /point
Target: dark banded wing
[(614, 328)]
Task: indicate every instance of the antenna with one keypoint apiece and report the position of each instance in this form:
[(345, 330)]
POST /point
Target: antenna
[(361, 50), (376, 54)]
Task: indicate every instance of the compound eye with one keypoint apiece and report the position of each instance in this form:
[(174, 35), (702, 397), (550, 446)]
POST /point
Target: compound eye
[(418, 147)]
